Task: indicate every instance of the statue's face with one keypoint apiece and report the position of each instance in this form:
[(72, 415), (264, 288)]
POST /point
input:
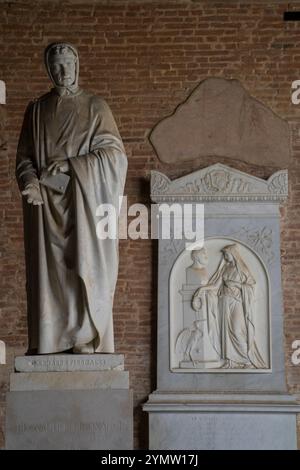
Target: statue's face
[(228, 257), (201, 257), (63, 70)]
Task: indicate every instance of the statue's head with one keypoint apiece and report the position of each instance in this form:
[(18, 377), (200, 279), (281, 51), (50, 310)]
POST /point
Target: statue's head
[(200, 256), (231, 253), (62, 63)]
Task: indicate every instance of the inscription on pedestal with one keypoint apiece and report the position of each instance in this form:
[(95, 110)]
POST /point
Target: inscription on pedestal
[(82, 420), (69, 362)]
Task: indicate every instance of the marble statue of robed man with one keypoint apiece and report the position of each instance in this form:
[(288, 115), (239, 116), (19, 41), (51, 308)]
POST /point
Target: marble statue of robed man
[(70, 159)]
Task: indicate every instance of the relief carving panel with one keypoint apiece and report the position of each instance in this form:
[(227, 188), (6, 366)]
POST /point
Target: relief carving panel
[(219, 310)]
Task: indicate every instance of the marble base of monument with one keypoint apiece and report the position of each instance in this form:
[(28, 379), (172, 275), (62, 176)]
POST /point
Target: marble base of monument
[(86, 405), (222, 422)]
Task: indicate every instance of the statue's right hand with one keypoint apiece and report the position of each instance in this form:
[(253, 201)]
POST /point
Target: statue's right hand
[(197, 302), (33, 194)]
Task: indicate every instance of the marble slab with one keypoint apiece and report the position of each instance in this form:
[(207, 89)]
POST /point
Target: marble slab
[(223, 430), (2, 92), (69, 420), (69, 362), (87, 380)]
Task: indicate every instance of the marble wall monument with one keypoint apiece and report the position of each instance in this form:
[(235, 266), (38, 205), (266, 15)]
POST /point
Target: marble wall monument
[(220, 372)]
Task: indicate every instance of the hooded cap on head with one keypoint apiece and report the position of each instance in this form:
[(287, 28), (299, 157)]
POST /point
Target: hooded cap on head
[(240, 263), (62, 49), (232, 249)]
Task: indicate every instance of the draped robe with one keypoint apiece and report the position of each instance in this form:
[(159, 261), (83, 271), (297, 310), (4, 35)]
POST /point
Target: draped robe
[(230, 314), (71, 274)]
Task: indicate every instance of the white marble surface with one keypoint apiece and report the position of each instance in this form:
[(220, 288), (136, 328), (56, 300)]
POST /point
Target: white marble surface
[(87, 380), (205, 356), (69, 420), (2, 92), (222, 430)]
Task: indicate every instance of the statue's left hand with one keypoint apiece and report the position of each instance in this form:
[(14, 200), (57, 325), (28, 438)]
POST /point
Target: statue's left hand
[(60, 166)]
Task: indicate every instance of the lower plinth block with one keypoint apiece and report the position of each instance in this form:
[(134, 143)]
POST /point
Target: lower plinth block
[(69, 420), (215, 423)]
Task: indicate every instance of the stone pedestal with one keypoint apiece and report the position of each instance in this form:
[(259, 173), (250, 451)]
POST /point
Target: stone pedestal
[(69, 401), (238, 399)]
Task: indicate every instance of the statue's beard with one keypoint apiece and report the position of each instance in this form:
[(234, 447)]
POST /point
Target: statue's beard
[(65, 87), (66, 82)]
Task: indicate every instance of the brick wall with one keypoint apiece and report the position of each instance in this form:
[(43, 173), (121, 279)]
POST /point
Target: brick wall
[(144, 57)]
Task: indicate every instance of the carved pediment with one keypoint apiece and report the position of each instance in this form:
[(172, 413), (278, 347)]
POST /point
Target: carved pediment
[(219, 183)]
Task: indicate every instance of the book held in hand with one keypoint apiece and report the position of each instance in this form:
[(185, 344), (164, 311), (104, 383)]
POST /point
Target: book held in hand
[(58, 182)]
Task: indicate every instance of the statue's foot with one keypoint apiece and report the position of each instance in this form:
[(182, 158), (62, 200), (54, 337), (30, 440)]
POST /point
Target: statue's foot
[(249, 365), (84, 348), (226, 365)]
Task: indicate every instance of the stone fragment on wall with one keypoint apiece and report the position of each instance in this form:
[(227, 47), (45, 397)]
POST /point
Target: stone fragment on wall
[(220, 118)]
